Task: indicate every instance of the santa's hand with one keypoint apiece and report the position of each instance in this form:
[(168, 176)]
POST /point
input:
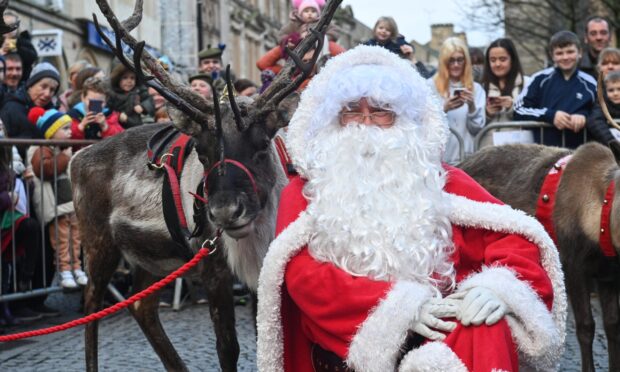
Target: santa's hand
[(430, 323), (480, 305)]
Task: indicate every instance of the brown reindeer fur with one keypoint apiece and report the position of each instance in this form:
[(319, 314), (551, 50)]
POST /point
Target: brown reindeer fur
[(515, 174)]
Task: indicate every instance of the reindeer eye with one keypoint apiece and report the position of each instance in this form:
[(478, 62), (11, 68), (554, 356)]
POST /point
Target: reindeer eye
[(261, 156)]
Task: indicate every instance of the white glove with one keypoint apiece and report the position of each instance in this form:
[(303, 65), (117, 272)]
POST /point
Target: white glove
[(480, 305), (429, 322)]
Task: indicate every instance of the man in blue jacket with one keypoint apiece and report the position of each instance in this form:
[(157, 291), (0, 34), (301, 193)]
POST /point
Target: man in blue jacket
[(561, 95)]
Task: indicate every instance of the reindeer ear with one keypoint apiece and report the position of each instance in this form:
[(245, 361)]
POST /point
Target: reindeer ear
[(282, 115), (182, 122), (615, 149)]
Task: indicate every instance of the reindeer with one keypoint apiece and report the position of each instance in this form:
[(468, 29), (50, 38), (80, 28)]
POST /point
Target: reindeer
[(118, 197), (515, 174)]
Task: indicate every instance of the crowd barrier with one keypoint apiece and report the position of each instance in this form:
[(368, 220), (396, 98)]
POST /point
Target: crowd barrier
[(9, 260), (523, 126), (45, 284)]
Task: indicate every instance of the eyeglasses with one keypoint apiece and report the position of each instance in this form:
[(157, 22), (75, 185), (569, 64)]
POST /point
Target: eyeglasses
[(456, 61), (378, 117)]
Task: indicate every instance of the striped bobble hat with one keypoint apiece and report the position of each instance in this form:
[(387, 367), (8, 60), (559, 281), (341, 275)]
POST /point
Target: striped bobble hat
[(52, 120)]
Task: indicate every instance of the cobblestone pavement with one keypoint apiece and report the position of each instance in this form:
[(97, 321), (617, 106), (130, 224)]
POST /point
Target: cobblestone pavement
[(123, 347)]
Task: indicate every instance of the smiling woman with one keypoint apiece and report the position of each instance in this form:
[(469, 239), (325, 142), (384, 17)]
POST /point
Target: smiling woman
[(39, 90), (503, 81), (463, 99)]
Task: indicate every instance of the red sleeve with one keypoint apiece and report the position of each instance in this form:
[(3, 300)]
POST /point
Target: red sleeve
[(269, 59), (331, 313), (509, 250), (114, 126), (76, 133), (335, 48), (460, 183), (292, 203), (523, 258)]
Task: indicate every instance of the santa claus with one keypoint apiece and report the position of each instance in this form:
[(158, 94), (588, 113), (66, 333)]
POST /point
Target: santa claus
[(388, 260)]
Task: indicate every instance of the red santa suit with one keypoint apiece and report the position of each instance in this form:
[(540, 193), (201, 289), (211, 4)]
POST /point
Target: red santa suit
[(303, 301)]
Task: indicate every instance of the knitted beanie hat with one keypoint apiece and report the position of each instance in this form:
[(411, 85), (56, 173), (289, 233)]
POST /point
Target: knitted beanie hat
[(43, 70), (50, 122), (300, 5)]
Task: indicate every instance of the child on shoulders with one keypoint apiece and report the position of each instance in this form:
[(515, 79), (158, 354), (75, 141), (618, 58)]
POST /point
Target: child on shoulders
[(130, 100)]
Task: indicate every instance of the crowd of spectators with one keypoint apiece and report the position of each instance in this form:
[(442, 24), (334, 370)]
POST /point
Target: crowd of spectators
[(476, 88)]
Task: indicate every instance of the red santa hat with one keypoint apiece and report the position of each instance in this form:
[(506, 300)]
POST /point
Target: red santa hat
[(365, 71), (300, 5)]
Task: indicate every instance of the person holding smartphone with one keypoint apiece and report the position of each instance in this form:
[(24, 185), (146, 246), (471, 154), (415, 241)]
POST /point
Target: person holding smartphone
[(503, 81), (90, 117), (463, 99)]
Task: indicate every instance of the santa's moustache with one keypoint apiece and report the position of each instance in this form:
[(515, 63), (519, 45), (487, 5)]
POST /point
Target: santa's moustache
[(375, 196)]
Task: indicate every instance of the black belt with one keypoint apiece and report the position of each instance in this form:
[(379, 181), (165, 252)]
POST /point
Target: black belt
[(326, 361)]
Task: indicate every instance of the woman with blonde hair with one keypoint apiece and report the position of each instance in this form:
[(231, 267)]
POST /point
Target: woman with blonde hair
[(463, 99), (608, 60)]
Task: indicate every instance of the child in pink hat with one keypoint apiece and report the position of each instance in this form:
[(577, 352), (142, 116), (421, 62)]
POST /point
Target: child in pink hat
[(305, 12)]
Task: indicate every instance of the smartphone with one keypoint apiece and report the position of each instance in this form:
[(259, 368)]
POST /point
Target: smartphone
[(95, 105), (458, 91), (494, 100)]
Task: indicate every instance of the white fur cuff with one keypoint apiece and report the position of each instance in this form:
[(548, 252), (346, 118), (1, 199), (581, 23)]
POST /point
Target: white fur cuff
[(433, 356), (377, 343), (531, 323)]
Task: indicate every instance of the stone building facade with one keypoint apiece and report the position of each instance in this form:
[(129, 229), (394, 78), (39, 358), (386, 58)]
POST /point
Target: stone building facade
[(67, 25), (429, 53), (249, 28)]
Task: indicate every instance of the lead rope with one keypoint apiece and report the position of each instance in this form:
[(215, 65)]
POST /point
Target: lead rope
[(208, 248)]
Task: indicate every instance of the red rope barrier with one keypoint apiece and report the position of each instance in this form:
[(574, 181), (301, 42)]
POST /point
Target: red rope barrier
[(203, 252)]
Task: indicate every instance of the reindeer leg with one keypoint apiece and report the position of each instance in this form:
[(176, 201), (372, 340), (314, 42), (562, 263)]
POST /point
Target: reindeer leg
[(218, 281), (102, 262), (578, 292), (254, 297), (146, 313), (608, 294)]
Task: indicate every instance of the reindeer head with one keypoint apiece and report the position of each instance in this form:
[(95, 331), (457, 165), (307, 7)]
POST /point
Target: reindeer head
[(232, 134)]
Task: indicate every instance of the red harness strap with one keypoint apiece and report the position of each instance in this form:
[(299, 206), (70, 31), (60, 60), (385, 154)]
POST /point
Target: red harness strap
[(175, 187), (181, 144), (236, 164), (605, 236), (285, 159), (546, 198), (546, 204)]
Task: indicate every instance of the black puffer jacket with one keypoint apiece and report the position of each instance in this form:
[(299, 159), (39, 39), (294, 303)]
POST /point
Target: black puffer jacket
[(14, 115), (596, 124)]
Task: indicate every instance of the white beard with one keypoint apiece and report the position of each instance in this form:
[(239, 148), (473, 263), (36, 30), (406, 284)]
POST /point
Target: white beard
[(375, 196)]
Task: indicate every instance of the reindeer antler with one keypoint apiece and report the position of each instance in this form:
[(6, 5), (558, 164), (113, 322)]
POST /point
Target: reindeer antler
[(179, 95), (283, 85), (4, 28)]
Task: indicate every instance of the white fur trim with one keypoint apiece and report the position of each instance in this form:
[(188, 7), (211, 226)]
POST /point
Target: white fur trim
[(412, 98), (540, 351), (385, 330), (530, 322), (465, 212), (432, 357), (270, 347)]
